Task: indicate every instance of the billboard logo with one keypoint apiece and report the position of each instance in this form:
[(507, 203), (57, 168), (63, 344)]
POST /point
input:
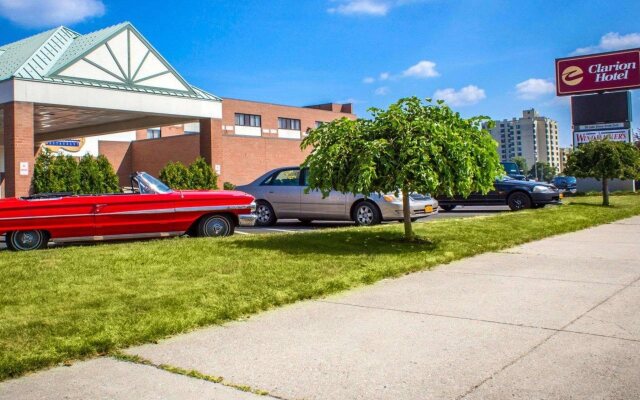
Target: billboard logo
[(572, 75), (596, 73)]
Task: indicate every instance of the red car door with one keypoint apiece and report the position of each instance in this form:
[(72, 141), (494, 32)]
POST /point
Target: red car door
[(125, 215)]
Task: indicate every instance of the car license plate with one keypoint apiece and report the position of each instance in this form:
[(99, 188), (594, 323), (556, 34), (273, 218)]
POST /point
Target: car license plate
[(428, 209), (561, 195)]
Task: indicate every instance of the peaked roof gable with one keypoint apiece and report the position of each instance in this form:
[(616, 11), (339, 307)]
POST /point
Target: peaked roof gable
[(123, 56), (116, 57)]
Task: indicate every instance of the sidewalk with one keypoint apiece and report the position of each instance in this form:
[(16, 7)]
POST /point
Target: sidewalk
[(557, 318)]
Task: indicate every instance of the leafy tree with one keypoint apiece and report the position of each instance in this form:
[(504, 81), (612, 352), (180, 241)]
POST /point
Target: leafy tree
[(110, 181), (521, 162), (65, 174), (604, 160), (411, 147), (202, 175), (543, 171), (91, 180), (41, 181), (176, 175)]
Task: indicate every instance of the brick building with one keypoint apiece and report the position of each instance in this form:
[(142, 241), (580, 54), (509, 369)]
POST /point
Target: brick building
[(110, 92), (254, 137)]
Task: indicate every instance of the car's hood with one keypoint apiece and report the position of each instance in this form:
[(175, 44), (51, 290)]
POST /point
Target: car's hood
[(215, 194), (527, 183)]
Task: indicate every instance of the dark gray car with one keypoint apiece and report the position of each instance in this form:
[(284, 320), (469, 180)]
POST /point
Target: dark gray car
[(280, 193)]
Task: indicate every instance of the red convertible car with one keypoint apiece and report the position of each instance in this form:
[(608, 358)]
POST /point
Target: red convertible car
[(152, 210)]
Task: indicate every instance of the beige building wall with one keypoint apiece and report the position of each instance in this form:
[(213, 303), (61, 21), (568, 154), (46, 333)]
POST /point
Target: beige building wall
[(532, 136)]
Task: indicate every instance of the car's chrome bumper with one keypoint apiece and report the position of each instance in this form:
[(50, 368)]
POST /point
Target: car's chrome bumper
[(393, 211), (247, 219)]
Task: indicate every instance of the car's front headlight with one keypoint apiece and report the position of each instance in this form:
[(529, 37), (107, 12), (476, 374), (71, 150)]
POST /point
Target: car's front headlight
[(542, 189)]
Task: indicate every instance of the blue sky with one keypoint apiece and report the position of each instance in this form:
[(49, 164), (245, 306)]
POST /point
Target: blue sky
[(494, 58)]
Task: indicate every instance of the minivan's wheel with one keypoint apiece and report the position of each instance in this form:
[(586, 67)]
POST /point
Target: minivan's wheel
[(265, 213), (27, 240), (519, 201), (215, 225), (448, 208), (366, 213)]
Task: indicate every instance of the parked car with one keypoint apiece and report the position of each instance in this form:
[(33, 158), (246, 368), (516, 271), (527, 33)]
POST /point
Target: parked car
[(566, 183), (517, 194), (280, 193), (513, 170), (152, 210)]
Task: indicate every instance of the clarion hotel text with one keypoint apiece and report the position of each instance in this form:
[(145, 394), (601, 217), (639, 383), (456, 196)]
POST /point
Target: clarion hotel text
[(612, 72)]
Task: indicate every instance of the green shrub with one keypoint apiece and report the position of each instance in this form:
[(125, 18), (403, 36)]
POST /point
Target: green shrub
[(176, 176), (202, 175), (228, 186), (64, 174), (199, 175), (110, 181)]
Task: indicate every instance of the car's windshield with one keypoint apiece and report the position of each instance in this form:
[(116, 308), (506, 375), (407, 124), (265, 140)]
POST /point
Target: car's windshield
[(571, 179), (511, 168), (147, 184)]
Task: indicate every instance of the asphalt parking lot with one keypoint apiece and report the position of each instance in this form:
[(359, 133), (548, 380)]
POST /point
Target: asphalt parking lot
[(294, 226)]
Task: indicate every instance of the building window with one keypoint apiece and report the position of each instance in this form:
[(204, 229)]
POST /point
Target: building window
[(153, 133), (288, 123), (319, 124), (248, 120)]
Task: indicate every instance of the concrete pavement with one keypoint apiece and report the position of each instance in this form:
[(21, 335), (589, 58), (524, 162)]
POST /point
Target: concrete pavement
[(553, 319)]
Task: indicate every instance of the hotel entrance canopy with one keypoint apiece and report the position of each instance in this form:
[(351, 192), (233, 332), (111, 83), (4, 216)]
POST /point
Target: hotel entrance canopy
[(60, 84)]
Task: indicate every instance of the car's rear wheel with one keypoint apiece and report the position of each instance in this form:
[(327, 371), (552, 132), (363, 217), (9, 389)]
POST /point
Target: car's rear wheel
[(447, 208), (215, 225), (265, 213), (27, 240), (519, 201), (366, 213)]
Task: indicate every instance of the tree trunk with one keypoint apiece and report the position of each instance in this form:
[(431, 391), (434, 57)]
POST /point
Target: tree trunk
[(605, 191), (406, 213)]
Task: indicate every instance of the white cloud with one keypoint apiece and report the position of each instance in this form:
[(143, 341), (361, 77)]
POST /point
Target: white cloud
[(384, 76), (375, 8), (381, 91), (466, 96), (423, 69), (362, 7), (46, 13), (368, 80), (534, 88), (612, 41)]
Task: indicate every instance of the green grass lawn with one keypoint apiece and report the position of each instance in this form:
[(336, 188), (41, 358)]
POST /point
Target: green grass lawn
[(78, 301)]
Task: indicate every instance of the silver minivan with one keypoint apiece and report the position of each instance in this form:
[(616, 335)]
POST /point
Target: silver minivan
[(280, 194)]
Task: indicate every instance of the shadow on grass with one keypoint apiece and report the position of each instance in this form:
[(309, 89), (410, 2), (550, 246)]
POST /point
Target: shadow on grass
[(366, 242)]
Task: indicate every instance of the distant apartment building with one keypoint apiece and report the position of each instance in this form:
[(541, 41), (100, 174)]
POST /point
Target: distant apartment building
[(564, 155), (532, 136)]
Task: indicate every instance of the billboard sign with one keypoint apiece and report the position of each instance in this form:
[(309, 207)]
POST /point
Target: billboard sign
[(598, 72), (70, 145), (614, 135)]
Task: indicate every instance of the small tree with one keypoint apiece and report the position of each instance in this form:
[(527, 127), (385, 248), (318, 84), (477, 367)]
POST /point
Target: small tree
[(91, 180), (176, 175), (543, 171), (42, 172), (411, 147), (202, 175), (604, 160), (110, 181), (65, 174), (522, 163)]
